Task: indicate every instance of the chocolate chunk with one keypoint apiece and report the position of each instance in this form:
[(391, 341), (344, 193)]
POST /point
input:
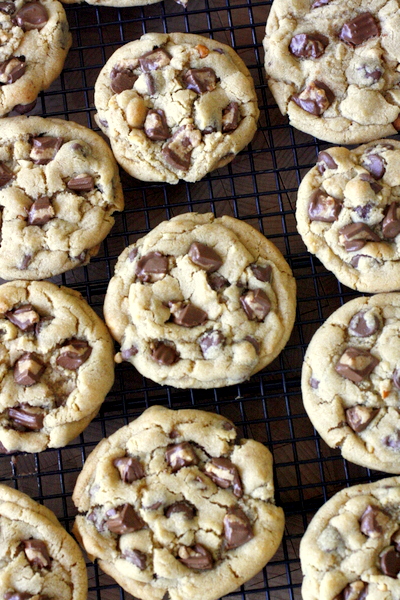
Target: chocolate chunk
[(130, 469), (123, 519), (262, 273), (396, 378), (188, 315), (196, 557), (42, 324), (314, 383), (356, 259), (319, 3), (31, 15), (376, 187), (363, 211), (391, 222), (180, 455), (253, 342), (396, 123), (237, 528), (121, 79), (395, 539), (25, 317), (41, 211), (155, 59), (363, 324), (25, 261), (178, 151), (155, 125), (360, 29), (150, 84), (323, 207), (154, 506), (36, 553), (210, 339), (375, 165), (205, 257), (129, 352), (29, 417), (230, 117), (11, 70), (392, 441), (224, 474), (44, 149), (136, 557), (315, 98), (132, 254), (5, 175), (390, 562), (17, 595), (355, 235), (81, 183), (73, 354), (164, 354), (7, 7), (308, 45), (183, 507), (256, 304), (325, 161), (200, 80), (217, 282), (151, 267), (356, 364), (28, 369), (22, 109), (371, 73), (357, 590), (373, 520)]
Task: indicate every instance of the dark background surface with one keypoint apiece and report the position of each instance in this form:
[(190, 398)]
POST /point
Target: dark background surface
[(260, 187)]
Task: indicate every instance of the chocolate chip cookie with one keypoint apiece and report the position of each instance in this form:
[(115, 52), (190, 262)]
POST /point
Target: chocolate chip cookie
[(333, 67), (201, 302), (35, 40), (56, 365), (351, 549), (175, 106), (59, 186), (39, 560), (175, 502), (348, 214)]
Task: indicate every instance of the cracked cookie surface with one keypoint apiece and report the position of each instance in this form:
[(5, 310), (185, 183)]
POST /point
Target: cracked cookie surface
[(201, 302), (351, 549), (39, 560), (59, 186), (348, 214), (56, 365), (175, 502), (175, 106), (333, 67), (351, 381)]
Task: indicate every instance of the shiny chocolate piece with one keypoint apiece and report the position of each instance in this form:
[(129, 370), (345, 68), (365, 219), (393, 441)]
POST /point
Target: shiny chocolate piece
[(155, 59), (308, 45), (325, 161), (129, 352), (81, 183), (370, 73), (356, 364), (43, 323), (180, 455), (31, 15), (24, 317), (224, 474), (7, 8), (237, 528), (392, 441), (25, 261), (136, 557), (41, 211), (28, 369), (73, 354), (396, 378), (22, 109), (196, 557), (323, 207), (315, 98), (355, 235), (373, 521), (390, 562), (11, 70), (395, 539), (210, 339), (17, 595), (375, 165), (230, 117), (123, 519), (132, 254), (130, 469), (164, 354), (44, 149), (151, 267), (391, 222), (188, 315), (256, 305), (184, 508), (217, 282), (363, 211), (150, 84), (254, 343), (359, 30), (121, 79), (200, 80), (357, 590), (28, 417), (376, 187), (5, 175), (262, 273), (314, 383), (356, 259), (155, 125), (177, 153), (363, 324), (36, 553), (204, 257), (319, 3)]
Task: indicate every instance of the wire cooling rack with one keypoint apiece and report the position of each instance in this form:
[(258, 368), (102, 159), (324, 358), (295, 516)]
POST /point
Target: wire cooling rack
[(259, 187)]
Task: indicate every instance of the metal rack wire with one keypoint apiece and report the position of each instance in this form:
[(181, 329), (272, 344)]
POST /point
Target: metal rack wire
[(259, 187)]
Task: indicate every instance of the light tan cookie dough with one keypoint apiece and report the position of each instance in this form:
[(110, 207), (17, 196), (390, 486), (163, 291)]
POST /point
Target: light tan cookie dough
[(56, 365), (175, 502), (351, 549), (333, 66), (124, 3), (38, 559), (201, 302), (175, 106), (59, 186), (348, 214), (34, 41)]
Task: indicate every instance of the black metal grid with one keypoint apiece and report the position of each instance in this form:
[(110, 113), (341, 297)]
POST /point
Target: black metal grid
[(260, 188)]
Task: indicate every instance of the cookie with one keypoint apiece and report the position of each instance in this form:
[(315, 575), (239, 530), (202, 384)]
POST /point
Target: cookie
[(348, 214), (351, 381), (35, 40), (175, 502), (39, 559), (332, 67), (201, 302), (351, 549), (123, 3), (56, 365), (175, 106)]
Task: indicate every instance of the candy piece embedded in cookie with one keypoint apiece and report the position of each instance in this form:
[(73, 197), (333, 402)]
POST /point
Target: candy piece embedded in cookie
[(201, 302), (175, 106), (174, 502)]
